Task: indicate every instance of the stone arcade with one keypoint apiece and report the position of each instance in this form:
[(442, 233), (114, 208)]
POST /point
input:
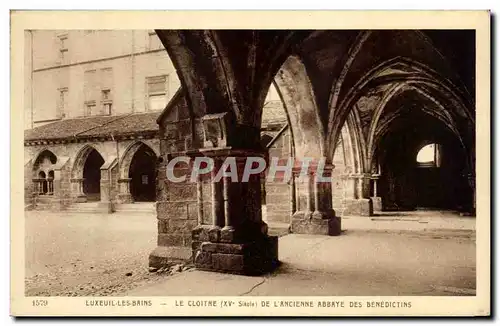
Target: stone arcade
[(368, 103), (358, 99)]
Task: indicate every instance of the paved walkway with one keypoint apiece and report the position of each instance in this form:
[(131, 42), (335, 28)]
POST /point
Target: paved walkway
[(400, 222), (410, 221), (99, 254), (356, 263)]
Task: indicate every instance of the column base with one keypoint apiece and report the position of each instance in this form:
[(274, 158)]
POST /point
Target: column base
[(124, 198), (81, 199), (325, 223), (106, 207), (250, 258), (377, 204), (161, 256), (358, 207)]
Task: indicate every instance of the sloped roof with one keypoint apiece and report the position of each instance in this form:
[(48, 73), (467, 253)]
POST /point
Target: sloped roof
[(273, 113), (95, 126), (133, 123)]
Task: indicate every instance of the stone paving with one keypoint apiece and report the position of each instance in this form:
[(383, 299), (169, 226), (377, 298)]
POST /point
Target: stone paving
[(73, 254), (356, 263), (69, 254)]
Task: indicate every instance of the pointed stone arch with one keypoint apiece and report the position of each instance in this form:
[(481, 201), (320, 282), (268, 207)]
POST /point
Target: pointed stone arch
[(295, 90), (138, 184), (80, 159), (49, 160), (128, 155), (405, 71)]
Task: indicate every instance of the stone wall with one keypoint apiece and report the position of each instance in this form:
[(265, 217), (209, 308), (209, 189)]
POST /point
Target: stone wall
[(177, 203), (69, 153), (339, 180), (278, 194)]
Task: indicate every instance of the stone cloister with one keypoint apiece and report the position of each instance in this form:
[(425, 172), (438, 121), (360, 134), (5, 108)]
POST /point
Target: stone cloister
[(365, 102)]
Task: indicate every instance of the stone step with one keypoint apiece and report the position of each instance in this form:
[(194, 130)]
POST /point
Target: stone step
[(42, 206), (136, 208), (278, 229), (91, 207), (278, 208), (43, 200)]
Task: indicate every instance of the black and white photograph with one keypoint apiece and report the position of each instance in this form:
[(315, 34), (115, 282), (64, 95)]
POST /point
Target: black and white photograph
[(279, 171)]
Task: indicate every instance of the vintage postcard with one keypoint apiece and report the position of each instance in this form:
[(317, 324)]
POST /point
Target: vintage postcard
[(258, 163)]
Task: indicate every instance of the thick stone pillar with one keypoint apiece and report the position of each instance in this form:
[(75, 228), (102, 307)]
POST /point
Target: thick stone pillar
[(37, 185), (237, 241), (376, 199), (471, 178), (124, 195), (315, 215), (77, 185), (362, 204), (105, 204)]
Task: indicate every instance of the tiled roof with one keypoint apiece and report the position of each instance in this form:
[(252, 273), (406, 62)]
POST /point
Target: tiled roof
[(95, 126), (273, 114), (129, 124)]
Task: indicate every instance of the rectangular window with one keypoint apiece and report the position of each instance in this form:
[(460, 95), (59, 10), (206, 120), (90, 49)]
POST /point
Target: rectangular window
[(62, 102), (154, 42), (89, 85), (106, 81), (156, 102), (63, 48), (106, 108), (156, 93), (90, 109), (106, 78)]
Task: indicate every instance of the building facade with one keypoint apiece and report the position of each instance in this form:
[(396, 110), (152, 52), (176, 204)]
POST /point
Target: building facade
[(91, 102)]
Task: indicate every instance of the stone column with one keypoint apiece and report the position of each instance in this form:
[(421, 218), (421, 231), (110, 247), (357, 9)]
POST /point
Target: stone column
[(376, 199), (124, 195), (293, 199), (242, 245), (105, 204), (362, 204), (237, 241), (50, 186), (471, 178), (37, 189), (78, 190), (199, 199), (318, 216)]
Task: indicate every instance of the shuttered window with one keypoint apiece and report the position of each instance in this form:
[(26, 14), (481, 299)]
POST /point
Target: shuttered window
[(156, 92)]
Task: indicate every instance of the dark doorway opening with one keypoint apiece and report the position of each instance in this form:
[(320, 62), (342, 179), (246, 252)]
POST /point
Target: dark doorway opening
[(411, 180), (92, 176), (143, 175)]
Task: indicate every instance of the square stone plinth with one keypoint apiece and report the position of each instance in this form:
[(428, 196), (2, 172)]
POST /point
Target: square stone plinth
[(303, 223), (358, 207), (162, 256), (251, 258), (377, 204)]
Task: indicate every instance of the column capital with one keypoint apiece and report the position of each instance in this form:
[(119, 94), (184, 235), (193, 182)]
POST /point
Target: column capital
[(229, 151), (359, 176), (312, 167)]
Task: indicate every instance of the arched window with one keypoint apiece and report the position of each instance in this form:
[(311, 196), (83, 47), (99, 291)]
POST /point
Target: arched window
[(429, 156), (41, 183), (50, 183)]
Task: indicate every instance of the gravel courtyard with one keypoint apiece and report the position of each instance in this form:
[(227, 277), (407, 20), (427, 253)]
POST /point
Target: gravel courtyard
[(80, 254)]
